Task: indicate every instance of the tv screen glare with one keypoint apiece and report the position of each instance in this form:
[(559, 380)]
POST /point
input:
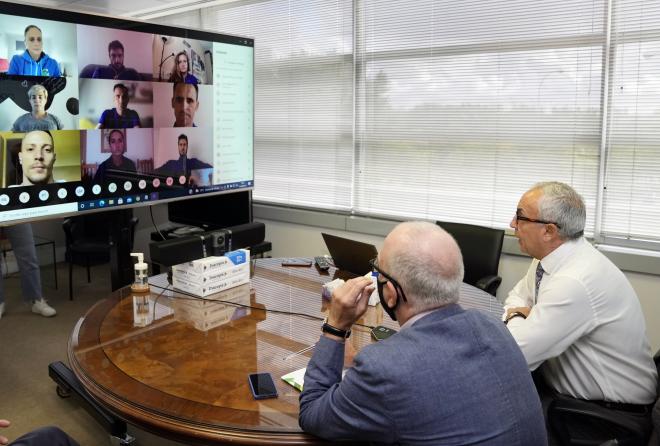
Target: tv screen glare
[(101, 113)]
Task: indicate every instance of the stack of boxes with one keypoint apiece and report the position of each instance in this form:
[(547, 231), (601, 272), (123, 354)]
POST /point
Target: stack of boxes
[(221, 281), (212, 274)]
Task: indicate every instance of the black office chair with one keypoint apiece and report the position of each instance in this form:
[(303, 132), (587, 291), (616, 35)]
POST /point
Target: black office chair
[(571, 419), (481, 248), (88, 239), (655, 419)]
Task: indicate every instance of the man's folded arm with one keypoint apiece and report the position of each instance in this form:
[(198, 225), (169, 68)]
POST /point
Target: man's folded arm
[(555, 323)]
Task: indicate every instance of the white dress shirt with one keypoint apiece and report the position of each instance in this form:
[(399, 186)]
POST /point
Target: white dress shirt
[(586, 326)]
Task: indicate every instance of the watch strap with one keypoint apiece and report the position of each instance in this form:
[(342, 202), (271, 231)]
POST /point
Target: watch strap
[(327, 328), (514, 314)]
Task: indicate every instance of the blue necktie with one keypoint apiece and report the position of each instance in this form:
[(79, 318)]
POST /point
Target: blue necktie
[(537, 283)]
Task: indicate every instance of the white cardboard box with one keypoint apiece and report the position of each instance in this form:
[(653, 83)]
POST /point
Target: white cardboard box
[(211, 275), (214, 263), (238, 275)]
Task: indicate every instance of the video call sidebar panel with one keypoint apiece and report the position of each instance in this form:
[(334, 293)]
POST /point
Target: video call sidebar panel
[(233, 78)]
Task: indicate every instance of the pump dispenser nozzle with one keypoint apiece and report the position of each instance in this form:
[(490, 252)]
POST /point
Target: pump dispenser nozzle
[(140, 284)]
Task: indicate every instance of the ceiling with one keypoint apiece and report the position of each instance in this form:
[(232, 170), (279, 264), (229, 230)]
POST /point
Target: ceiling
[(132, 8)]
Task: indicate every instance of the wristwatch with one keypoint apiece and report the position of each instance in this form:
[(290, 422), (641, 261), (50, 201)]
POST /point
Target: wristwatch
[(514, 314), (327, 328)]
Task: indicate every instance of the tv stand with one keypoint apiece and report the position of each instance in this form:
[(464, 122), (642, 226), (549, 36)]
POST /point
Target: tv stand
[(169, 231)]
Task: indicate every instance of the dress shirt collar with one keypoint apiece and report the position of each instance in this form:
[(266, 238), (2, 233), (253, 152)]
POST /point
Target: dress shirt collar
[(417, 317), (553, 261), (442, 312)]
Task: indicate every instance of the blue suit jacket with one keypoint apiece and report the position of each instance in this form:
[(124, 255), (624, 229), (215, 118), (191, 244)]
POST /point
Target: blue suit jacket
[(455, 377)]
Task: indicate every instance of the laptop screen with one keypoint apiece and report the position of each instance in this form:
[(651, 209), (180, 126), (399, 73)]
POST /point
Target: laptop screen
[(350, 255)]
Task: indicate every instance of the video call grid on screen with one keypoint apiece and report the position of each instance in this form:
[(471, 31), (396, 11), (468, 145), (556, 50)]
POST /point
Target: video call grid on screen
[(100, 112)]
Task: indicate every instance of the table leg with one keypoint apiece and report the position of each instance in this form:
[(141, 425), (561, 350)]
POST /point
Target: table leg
[(54, 263)]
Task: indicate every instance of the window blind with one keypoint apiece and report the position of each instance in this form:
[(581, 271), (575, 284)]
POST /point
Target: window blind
[(303, 97), (631, 193), (462, 106)]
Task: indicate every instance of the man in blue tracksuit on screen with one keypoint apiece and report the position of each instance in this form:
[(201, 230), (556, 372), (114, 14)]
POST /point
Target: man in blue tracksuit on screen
[(34, 62)]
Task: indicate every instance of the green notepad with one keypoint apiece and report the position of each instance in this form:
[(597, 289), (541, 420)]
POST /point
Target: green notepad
[(295, 378)]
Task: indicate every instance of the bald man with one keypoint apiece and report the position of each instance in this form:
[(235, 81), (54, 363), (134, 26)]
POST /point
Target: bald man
[(449, 376)]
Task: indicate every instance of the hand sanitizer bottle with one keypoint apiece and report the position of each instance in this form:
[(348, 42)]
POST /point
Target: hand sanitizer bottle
[(140, 283)]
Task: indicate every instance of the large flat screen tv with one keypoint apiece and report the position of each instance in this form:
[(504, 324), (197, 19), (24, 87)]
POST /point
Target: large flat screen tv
[(103, 113)]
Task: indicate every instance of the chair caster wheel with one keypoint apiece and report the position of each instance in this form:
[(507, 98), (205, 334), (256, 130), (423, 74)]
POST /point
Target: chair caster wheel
[(63, 393)]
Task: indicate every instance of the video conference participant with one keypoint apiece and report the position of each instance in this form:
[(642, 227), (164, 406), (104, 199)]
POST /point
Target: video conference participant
[(185, 103), (33, 61), (38, 119), (37, 157), (181, 70), (120, 116), (183, 165), (450, 376), (117, 160), (574, 313), (116, 69)]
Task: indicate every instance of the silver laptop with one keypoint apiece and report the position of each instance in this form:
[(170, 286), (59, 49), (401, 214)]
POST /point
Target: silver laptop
[(350, 255)]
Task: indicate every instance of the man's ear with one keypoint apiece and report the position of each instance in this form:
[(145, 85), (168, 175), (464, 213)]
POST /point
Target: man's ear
[(390, 295), (551, 231), (20, 158)]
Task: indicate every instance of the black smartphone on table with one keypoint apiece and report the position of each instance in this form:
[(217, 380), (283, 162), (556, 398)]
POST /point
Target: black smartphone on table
[(262, 386)]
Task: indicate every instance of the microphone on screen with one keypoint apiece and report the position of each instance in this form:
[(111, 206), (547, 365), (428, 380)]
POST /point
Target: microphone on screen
[(72, 106)]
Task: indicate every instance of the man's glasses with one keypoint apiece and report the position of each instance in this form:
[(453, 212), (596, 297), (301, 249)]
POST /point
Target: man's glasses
[(380, 284), (32, 39), (533, 220)]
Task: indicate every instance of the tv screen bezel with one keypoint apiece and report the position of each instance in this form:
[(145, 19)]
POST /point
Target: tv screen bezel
[(113, 22)]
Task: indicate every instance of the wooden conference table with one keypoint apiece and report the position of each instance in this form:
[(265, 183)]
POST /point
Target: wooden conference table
[(178, 367)]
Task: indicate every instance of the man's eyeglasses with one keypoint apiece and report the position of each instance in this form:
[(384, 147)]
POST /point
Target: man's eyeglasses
[(380, 284), (533, 220)]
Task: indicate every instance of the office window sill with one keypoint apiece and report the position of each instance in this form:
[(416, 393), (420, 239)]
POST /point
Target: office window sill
[(627, 259)]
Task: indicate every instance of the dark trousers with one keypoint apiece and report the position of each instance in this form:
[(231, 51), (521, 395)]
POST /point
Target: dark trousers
[(45, 436), (590, 428)]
